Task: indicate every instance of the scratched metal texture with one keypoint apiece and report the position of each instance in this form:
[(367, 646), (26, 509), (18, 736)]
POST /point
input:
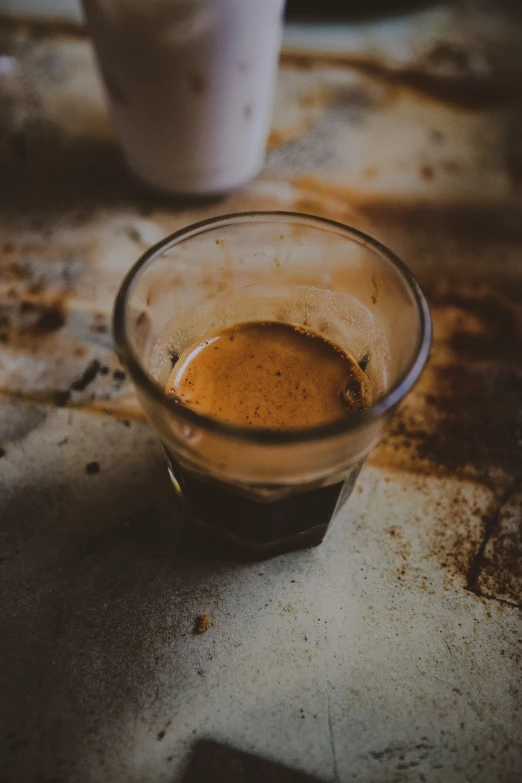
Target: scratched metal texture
[(391, 653)]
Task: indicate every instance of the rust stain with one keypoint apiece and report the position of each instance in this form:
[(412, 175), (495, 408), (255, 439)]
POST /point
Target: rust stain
[(125, 407), (16, 271), (404, 210), (446, 523), (465, 417), (84, 172), (464, 421), (276, 138), (99, 325), (311, 104), (328, 198), (451, 166), (485, 325), (50, 318), (496, 571), (469, 427), (36, 288), (37, 29), (426, 172), (280, 136), (455, 540), (31, 319), (463, 90), (284, 135), (31, 322)]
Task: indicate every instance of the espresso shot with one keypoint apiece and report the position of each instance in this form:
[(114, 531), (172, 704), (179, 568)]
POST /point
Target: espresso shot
[(273, 376), (270, 351)]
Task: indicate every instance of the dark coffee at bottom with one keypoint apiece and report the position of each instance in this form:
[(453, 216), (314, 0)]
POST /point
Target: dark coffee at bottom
[(268, 375), (271, 527)]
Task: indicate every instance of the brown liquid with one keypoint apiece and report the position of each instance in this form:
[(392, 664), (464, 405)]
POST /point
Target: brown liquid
[(271, 375)]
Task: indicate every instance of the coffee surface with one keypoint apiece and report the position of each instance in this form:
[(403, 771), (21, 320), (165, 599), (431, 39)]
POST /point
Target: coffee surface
[(270, 375)]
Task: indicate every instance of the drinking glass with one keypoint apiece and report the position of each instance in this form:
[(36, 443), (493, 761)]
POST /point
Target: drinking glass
[(266, 490), (190, 87)]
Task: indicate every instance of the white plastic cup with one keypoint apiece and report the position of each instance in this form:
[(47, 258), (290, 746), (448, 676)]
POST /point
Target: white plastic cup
[(190, 85)]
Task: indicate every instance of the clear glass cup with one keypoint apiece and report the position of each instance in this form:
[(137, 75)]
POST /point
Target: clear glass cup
[(269, 490)]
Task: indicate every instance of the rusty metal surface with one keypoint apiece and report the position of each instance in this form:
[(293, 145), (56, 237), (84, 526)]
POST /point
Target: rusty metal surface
[(392, 652)]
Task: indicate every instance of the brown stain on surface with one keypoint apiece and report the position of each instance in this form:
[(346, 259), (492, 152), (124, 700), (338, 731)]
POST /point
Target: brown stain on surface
[(464, 421), (16, 270), (426, 172), (31, 320), (280, 136), (50, 318), (443, 521), (465, 416), (499, 564), (464, 90), (41, 29)]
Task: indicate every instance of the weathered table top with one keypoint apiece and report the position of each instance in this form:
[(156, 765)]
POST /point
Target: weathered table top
[(393, 651)]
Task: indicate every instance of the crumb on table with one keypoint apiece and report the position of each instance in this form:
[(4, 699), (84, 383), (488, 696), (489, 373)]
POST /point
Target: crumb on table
[(203, 623)]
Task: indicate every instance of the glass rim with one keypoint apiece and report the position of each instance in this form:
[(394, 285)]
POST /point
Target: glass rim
[(339, 427)]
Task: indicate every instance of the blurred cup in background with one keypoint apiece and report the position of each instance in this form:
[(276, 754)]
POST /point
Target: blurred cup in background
[(190, 85)]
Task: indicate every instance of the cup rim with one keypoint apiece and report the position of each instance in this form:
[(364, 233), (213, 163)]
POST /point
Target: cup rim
[(386, 403)]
